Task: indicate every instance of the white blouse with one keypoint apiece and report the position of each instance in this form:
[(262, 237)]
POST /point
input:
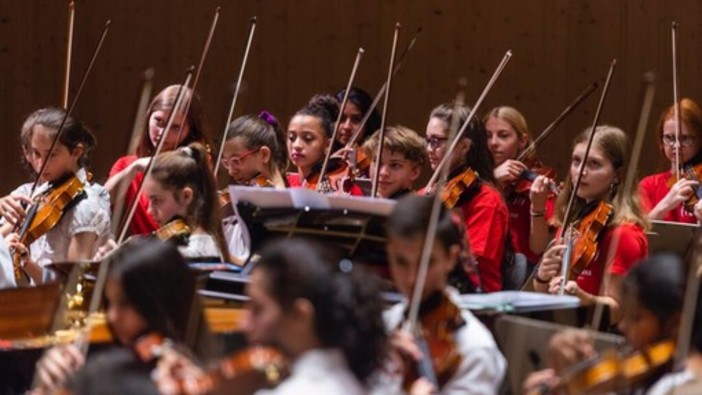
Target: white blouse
[(201, 245), (482, 368), (319, 372), (91, 214)]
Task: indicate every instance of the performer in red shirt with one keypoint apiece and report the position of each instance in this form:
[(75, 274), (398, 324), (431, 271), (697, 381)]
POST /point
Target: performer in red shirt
[(130, 168), (620, 243), (661, 196), (482, 205), (508, 136)]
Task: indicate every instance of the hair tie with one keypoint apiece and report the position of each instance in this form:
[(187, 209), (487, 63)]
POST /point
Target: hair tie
[(269, 118), (187, 151), (345, 266)]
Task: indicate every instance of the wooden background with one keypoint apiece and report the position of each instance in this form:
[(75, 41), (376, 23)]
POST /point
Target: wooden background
[(305, 47)]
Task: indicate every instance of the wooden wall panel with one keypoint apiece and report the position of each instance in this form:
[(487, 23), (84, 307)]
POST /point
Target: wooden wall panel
[(308, 46)]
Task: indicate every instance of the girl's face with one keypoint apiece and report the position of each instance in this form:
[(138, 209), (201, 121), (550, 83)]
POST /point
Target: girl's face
[(62, 160), (689, 142), (598, 176), (437, 145), (350, 119), (242, 164), (640, 326), (164, 204), (157, 123), (306, 142), (503, 141), (124, 319)]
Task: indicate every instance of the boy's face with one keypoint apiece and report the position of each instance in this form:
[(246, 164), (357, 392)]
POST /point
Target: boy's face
[(404, 255), (396, 173)]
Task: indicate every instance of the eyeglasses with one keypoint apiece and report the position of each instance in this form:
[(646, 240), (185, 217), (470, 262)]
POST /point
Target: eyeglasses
[(685, 141), (435, 142), (235, 161)]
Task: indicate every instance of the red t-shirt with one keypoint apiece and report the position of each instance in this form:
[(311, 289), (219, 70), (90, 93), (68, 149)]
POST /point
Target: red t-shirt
[(519, 206), (142, 223), (295, 181), (653, 189), (632, 247), (486, 219)]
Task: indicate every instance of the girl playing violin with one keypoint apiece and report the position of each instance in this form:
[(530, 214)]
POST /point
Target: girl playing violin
[(181, 185), (482, 206), (652, 296), (508, 135), (309, 135), (478, 367), (83, 221), (620, 242), (358, 104), (129, 168), (149, 290), (662, 196), (254, 154)]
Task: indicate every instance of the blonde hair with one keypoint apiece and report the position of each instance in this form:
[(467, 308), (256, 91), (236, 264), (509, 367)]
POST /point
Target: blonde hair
[(398, 139), (614, 144), (514, 118)]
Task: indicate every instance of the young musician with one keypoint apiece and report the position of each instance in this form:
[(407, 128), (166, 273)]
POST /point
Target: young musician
[(482, 206), (401, 163), (149, 290), (662, 196), (255, 155), (83, 222), (129, 168), (620, 244), (652, 297), (309, 134), (322, 314), (181, 185), (482, 366), (508, 136), (358, 104)]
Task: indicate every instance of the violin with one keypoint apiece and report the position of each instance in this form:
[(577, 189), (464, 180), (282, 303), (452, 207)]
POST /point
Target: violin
[(456, 186), (439, 319), (45, 214), (175, 229), (336, 178), (584, 236), (534, 169), (694, 173), (615, 371)]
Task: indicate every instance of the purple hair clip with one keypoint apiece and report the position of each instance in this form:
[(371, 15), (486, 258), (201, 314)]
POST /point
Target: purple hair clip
[(269, 118)]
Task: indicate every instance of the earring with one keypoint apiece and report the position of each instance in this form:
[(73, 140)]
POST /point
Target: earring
[(613, 189)]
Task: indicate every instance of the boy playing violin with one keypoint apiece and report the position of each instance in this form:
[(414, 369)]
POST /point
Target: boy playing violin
[(478, 366), (401, 161)]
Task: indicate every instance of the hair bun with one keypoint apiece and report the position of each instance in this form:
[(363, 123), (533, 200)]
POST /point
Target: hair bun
[(328, 103)]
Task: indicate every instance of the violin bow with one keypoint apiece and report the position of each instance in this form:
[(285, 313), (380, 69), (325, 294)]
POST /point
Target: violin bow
[(649, 80), (237, 89), (159, 147), (205, 50), (676, 97), (565, 266), (69, 53), (357, 133), (59, 133), (454, 143), (567, 111), (139, 123), (410, 324), (690, 303), (383, 117), (327, 154)]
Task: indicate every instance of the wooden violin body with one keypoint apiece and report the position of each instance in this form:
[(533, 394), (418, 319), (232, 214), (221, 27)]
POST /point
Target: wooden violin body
[(456, 186), (588, 232), (693, 173), (174, 229), (534, 169)]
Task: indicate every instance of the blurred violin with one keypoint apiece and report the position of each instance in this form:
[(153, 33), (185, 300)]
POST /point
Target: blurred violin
[(455, 188), (176, 228), (614, 371), (694, 173), (534, 169), (439, 318)]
